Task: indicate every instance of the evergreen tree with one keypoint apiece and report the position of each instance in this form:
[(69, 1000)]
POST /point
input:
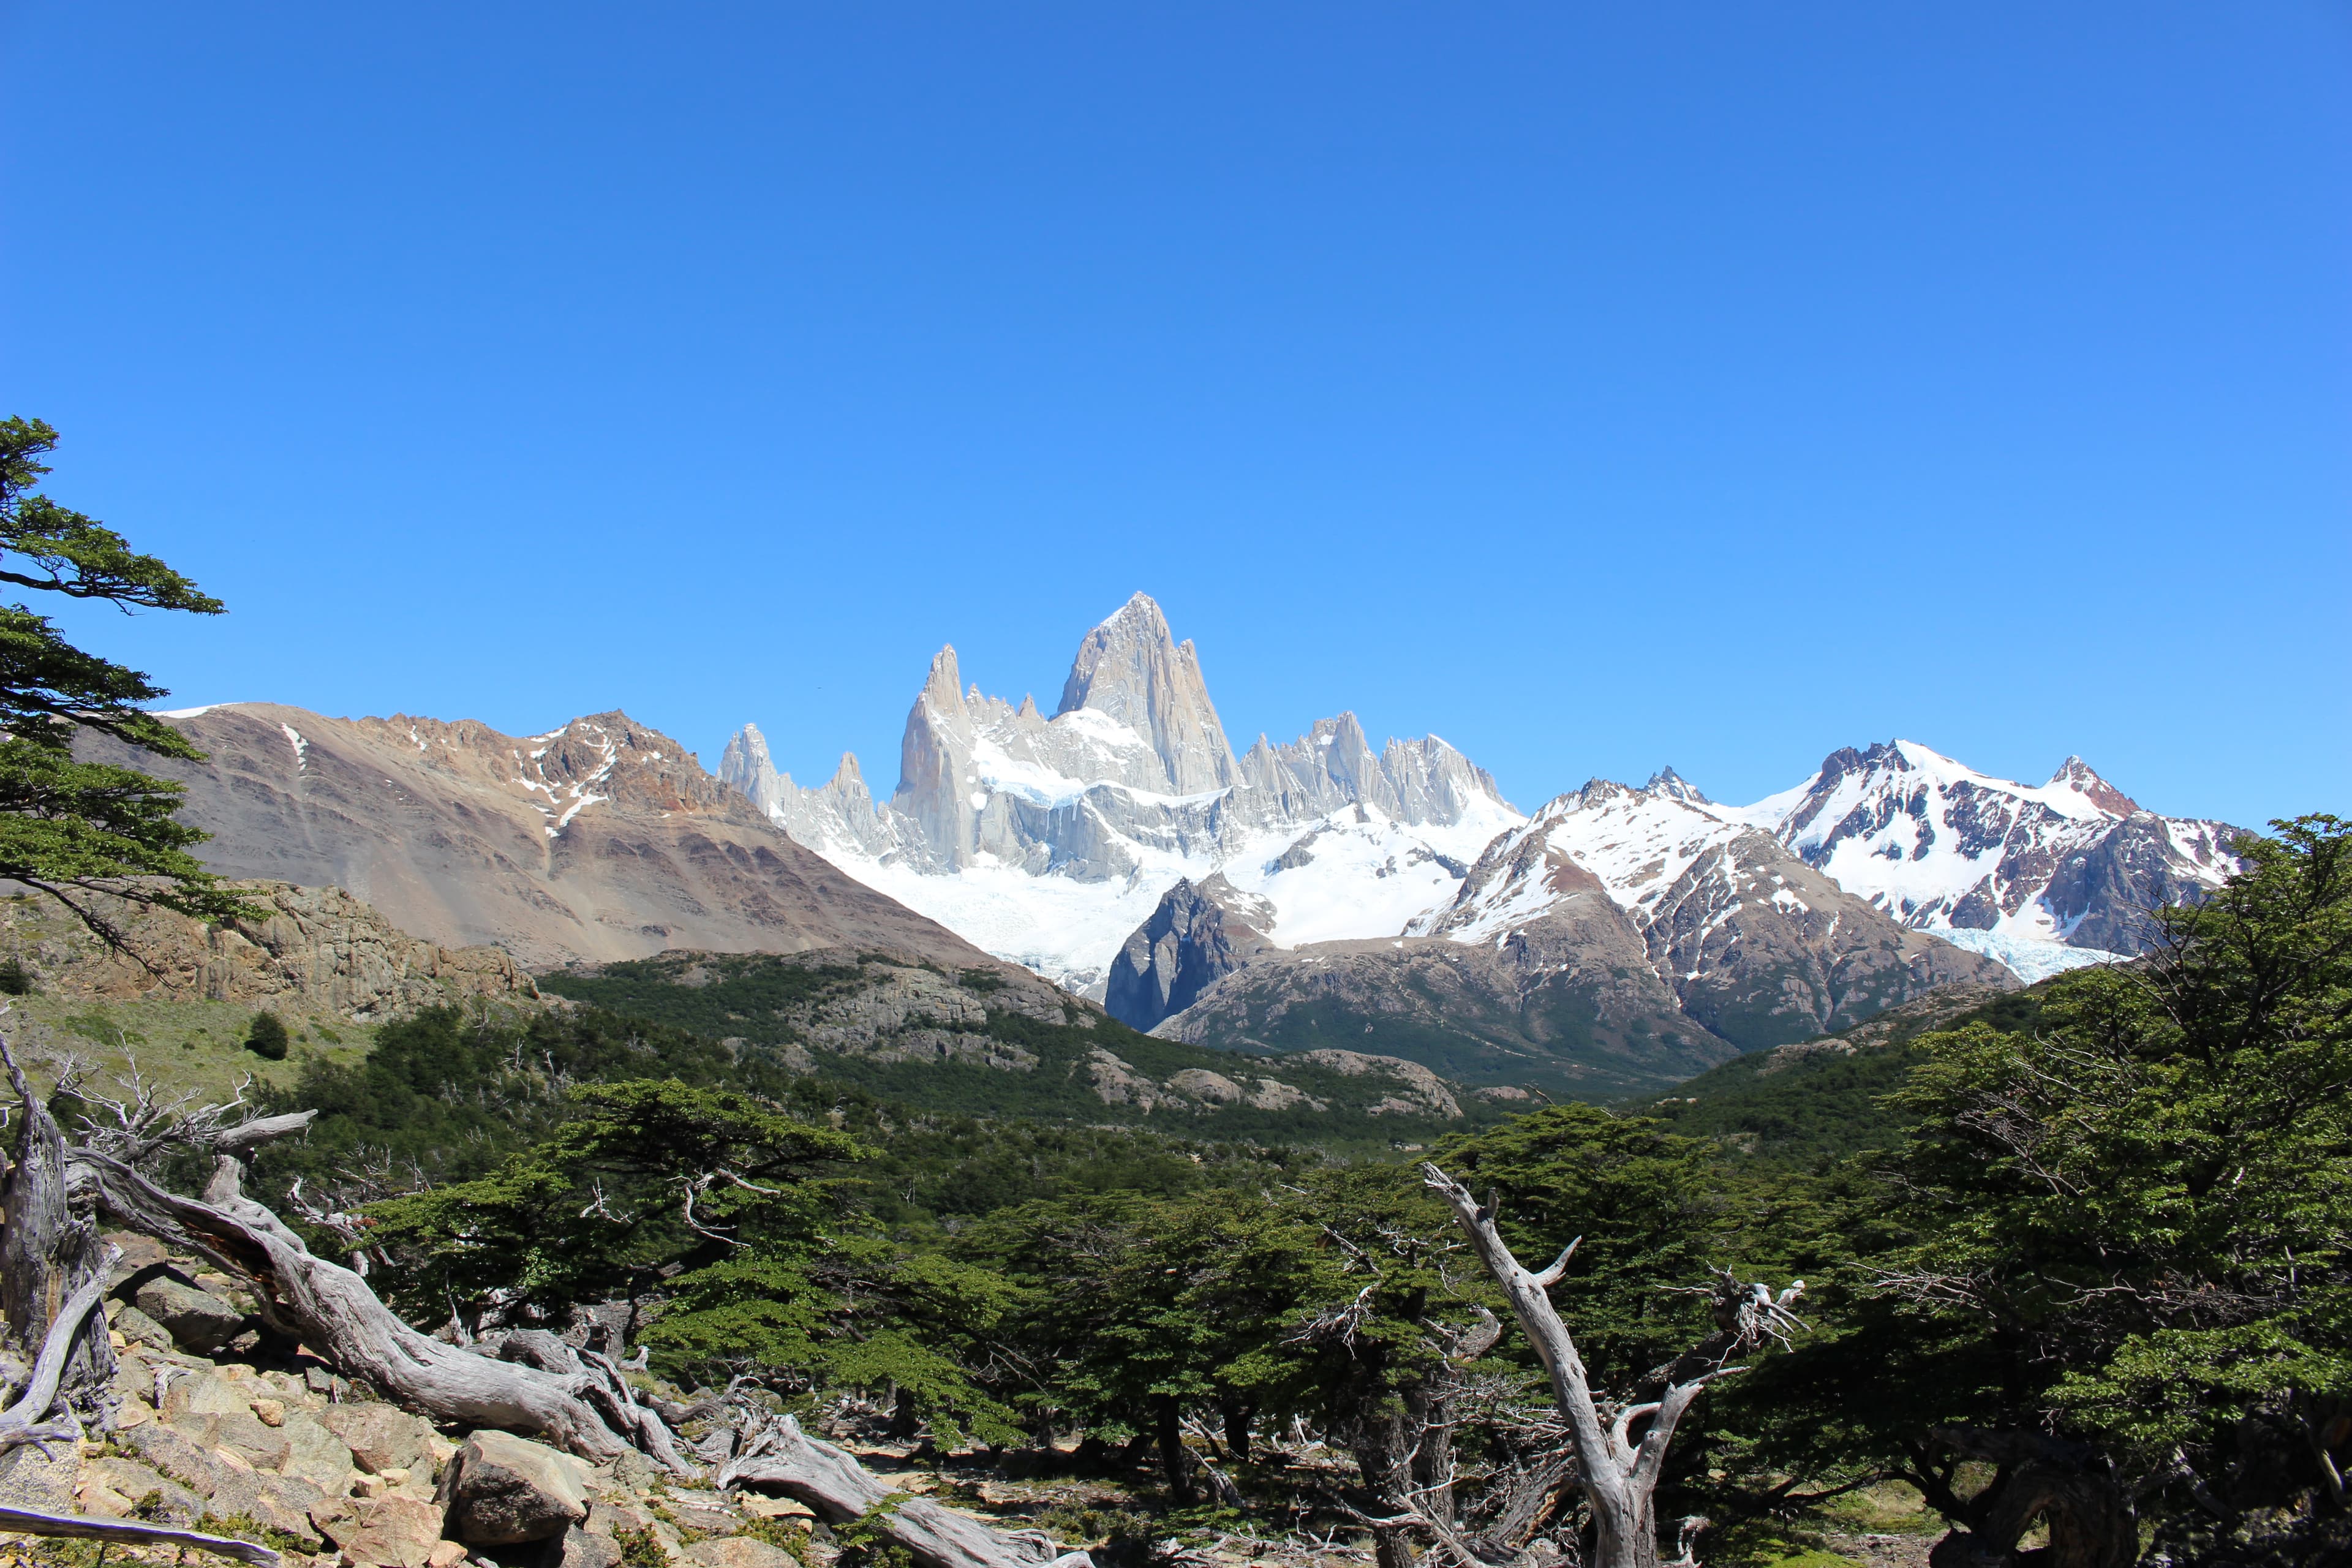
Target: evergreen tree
[(71, 828), (267, 1037)]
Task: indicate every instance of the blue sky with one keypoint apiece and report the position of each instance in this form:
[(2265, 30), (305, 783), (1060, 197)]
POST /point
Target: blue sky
[(1596, 386)]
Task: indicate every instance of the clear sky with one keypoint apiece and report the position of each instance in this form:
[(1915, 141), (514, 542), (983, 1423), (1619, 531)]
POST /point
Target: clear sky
[(1597, 385)]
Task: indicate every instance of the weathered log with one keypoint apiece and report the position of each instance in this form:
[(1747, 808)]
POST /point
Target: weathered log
[(834, 1484), (81, 1527), (332, 1311)]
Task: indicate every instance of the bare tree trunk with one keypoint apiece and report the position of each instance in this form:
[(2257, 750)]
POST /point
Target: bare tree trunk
[(47, 1254), (74, 1526), (1620, 1474), (1236, 1413), (1168, 1425), (332, 1311), (841, 1489)]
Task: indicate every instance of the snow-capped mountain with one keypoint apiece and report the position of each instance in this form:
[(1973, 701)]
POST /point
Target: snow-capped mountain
[(2040, 876), (1047, 840)]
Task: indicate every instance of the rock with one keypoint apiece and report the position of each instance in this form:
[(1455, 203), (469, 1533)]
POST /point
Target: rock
[(29, 1479), (739, 1552), (133, 1481), (315, 1453), (140, 1328), (173, 1453), (392, 1532), (503, 1490), (196, 1321), (270, 1412), (274, 1501), (578, 1549), (445, 1554), (380, 1436)]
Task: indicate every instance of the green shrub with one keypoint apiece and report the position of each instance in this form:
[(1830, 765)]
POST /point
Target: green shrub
[(266, 1038), (16, 980)]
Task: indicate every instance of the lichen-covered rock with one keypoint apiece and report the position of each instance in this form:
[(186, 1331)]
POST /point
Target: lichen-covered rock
[(739, 1552), (315, 1453), (503, 1490)]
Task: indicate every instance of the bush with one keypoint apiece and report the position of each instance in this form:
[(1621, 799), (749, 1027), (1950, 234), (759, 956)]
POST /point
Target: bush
[(266, 1038), (16, 980)]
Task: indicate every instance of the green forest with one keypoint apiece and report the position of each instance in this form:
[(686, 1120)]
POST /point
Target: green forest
[(2072, 1266)]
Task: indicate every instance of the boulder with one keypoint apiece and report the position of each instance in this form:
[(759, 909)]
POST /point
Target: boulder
[(139, 1328), (380, 1436), (198, 1321), (503, 1490), (578, 1549), (390, 1531), (132, 1481), (30, 1478), (739, 1552), (315, 1453), (176, 1454)]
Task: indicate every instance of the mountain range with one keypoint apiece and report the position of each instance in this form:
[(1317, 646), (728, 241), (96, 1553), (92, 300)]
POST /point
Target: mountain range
[(1316, 894), (1320, 893)]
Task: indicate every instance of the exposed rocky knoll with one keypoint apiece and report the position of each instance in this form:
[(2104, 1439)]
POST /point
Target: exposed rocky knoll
[(1942, 846), (600, 839), (1622, 938), (907, 1027), (319, 950)]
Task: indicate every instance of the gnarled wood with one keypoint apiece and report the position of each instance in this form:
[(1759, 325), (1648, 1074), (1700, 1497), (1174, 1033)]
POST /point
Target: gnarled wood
[(840, 1489), (1619, 1472), (22, 1422), (81, 1527), (332, 1311), (47, 1256)]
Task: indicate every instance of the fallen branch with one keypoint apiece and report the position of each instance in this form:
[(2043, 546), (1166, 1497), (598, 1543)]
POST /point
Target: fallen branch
[(840, 1489), (80, 1527), (22, 1422)]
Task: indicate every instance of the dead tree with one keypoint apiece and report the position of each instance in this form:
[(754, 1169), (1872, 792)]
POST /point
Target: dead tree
[(1619, 1471)]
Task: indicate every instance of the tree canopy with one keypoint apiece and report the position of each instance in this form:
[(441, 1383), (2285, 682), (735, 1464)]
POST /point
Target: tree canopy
[(71, 828)]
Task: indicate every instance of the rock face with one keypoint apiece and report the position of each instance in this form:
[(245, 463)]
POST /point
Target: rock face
[(1197, 936), (600, 839), (1049, 839), (503, 1490), (318, 949)]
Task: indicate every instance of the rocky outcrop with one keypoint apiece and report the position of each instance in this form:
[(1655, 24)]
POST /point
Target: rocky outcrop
[(1199, 934), (600, 839), (316, 949), (1131, 672)]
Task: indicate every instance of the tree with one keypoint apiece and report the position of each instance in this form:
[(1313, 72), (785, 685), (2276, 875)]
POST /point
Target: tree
[(2127, 1232), (266, 1038), (68, 828)]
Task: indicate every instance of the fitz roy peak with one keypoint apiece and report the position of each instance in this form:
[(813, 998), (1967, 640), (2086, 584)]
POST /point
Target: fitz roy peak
[(1048, 840)]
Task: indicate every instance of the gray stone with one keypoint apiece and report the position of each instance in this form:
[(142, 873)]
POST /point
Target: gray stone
[(380, 1436), (576, 1548), (198, 1321), (30, 1479), (503, 1490), (142, 1330), (176, 1454), (315, 1453)]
